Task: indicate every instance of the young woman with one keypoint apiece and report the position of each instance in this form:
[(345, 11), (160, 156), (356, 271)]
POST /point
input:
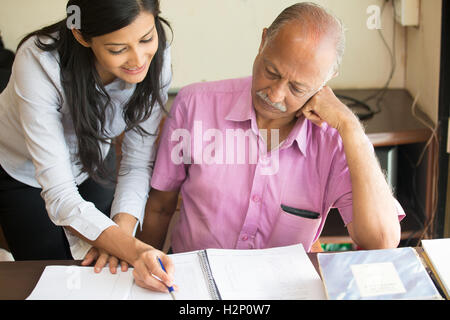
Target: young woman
[(71, 92)]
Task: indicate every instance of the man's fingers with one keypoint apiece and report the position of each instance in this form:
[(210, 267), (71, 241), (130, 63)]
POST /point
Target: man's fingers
[(313, 117)]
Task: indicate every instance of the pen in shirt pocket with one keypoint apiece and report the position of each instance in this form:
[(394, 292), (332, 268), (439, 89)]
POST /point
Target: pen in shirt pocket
[(300, 212)]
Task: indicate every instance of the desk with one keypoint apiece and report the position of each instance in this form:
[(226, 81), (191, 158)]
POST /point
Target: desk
[(18, 279)]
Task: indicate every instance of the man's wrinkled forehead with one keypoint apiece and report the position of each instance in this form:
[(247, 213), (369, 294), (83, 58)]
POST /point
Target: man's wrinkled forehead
[(298, 52)]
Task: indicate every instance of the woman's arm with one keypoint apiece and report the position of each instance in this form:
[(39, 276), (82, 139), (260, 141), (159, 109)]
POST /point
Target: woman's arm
[(41, 114), (140, 255)]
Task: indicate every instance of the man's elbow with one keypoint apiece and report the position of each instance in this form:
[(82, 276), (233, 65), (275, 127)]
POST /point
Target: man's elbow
[(385, 239)]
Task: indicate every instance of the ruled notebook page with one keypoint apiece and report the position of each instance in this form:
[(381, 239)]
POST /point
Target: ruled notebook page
[(189, 279), (266, 274)]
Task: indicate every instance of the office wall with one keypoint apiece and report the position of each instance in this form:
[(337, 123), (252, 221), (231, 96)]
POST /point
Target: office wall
[(423, 62), (19, 17), (217, 39)]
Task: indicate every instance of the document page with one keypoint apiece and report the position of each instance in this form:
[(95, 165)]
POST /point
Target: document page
[(189, 279), (438, 252), (272, 274), (82, 283)]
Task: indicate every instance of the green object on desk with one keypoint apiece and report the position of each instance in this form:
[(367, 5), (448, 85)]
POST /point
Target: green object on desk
[(337, 246)]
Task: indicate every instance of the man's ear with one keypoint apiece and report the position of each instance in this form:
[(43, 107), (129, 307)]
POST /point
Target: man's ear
[(79, 37), (263, 40)]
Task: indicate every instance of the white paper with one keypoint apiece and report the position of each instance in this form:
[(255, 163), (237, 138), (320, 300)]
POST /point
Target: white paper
[(82, 283), (269, 274), (188, 278), (278, 273), (377, 279), (438, 251)]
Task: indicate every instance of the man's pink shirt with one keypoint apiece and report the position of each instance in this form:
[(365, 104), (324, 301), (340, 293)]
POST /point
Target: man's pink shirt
[(234, 202)]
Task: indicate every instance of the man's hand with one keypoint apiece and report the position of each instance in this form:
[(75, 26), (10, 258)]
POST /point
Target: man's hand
[(324, 106)]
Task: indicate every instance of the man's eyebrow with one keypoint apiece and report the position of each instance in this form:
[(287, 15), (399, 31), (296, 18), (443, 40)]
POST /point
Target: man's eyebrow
[(124, 44), (296, 83)]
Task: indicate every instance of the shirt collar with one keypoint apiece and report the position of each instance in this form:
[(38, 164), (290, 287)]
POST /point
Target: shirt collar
[(298, 134), (243, 110)]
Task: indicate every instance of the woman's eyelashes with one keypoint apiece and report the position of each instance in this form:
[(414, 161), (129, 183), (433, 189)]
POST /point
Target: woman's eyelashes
[(117, 52)]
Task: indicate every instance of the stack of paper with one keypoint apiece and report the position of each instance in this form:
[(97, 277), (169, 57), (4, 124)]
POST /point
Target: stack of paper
[(376, 275), (437, 253), (277, 273)]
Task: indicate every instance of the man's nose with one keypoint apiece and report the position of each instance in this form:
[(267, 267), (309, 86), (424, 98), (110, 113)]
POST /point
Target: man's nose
[(277, 91)]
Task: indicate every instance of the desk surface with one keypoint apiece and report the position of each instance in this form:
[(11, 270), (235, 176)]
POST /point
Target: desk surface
[(18, 278)]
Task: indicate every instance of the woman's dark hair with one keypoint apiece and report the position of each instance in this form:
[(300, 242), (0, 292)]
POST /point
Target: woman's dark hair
[(86, 96)]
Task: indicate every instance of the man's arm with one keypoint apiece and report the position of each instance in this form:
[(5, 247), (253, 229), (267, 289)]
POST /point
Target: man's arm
[(160, 208), (375, 222)]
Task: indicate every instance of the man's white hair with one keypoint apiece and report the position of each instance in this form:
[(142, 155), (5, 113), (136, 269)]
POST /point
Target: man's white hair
[(317, 22)]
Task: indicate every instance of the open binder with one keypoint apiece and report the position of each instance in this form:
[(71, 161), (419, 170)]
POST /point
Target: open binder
[(387, 274), (267, 274)]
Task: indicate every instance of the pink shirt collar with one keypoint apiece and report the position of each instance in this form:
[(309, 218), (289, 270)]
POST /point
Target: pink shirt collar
[(244, 110)]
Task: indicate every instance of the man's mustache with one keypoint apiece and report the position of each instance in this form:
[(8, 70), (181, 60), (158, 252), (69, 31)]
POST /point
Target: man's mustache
[(276, 105)]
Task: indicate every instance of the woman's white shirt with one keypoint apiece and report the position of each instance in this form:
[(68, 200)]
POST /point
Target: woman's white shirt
[(38, 145)]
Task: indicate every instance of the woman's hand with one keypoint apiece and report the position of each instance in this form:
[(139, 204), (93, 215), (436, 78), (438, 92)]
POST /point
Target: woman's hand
[(102, 258), (147, 270), (127, 223)]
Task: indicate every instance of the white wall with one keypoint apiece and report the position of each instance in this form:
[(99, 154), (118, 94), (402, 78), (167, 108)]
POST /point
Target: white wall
[(217, 39), (20, 17), (423, 63)]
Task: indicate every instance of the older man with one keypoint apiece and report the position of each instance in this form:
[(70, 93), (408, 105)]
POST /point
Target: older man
[(312, 152)]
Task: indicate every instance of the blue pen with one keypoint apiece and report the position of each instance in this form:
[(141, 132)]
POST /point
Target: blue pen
[(171, 290)]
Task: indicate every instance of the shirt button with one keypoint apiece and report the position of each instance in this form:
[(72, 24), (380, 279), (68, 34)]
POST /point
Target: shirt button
[(244, 237), (256, 198)]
